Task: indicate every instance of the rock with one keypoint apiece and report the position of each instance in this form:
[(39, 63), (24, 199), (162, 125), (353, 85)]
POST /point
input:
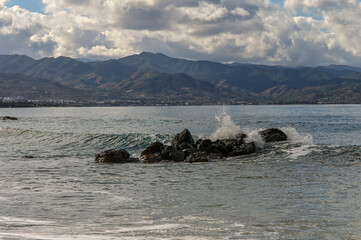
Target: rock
[(114, 156), (219, 146), (183, 146), (213, 156), (244, 149), (273, 135), (197, 157), (153, 148), (177, 156), (183, 137), (171, 153), (150, 158), (188, 152), (204, 146), (8, 118)]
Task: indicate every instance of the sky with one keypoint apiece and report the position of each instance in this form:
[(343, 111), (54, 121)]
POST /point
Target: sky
[(271, 32)]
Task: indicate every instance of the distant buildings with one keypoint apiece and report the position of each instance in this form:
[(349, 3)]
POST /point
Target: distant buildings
[(21, 99)]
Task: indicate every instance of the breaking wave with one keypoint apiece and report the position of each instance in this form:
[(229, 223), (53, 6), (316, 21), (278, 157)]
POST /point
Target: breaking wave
[(228, 129)]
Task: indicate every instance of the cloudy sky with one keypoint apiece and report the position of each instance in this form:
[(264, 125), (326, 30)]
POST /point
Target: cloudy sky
[(272, 32)]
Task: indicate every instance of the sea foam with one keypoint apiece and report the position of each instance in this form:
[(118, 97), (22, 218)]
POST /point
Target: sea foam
[(227, 128)]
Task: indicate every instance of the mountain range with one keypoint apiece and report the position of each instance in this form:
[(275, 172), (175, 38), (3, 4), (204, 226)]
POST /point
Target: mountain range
[(162, 79)]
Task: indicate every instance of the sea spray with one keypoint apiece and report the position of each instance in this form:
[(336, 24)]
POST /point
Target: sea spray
[(295, 137), (227, 128)]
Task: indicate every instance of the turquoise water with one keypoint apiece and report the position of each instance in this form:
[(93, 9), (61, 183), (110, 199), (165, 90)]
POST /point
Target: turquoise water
[(305, 188)]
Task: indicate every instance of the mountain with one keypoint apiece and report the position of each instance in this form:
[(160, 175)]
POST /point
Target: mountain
[(157, 76), (15, 85), (236, 77)]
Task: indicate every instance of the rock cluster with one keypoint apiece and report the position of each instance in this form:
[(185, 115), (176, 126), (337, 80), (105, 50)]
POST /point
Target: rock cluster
[(184, 149), (8, 118)]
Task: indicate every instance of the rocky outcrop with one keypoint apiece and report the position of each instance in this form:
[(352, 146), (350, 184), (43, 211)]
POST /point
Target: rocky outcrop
[(184, 149), (115, 156), (273, 135), (8, 118)]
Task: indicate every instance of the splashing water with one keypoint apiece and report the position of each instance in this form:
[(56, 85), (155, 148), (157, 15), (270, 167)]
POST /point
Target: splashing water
[(227, 129), (295, 137)]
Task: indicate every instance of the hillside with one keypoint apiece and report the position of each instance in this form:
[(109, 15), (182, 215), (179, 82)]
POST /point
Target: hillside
[(15, 85), (159, 77)]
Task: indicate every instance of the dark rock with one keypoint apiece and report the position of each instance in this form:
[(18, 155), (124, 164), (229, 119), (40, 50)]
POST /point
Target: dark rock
[(240, 138), (273, 135), (113, 156), (153, 148), (188, 152), (204, 146), (171, 153), (244, 149), (8, 118), (133, 160), (183, 146), (150, 158), (177, 156), (197, 157), (183, 137), (219, 146), (213, 156)]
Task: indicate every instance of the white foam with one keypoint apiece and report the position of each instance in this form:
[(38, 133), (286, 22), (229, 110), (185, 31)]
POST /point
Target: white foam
[(227, 128), (295, 137), (90, 237), (297, 152), (148, 228), (22, 221), (57, 237), (253, 136)]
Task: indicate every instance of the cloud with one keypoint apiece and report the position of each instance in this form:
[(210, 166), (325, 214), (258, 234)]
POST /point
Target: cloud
[(256, 31)]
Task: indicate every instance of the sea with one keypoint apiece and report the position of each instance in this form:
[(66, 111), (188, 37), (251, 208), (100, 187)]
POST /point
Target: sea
[(308, 187)]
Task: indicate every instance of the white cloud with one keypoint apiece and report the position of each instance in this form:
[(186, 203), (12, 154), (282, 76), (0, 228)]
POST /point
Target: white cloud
[(254, 31)]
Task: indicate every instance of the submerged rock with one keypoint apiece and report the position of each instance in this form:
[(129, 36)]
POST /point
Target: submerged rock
[(273, 135), (150, 158), (197, 157), (115, 156), (8, 118)]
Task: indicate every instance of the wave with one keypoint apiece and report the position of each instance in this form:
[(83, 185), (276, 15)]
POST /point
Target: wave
[(131, 141), (228, 129)]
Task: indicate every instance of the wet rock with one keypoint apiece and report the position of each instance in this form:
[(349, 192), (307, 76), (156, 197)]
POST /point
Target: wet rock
[(188, 152), (214, 156), (177, 156), (244, 149), (171, 153), (8, 118), (204, 146), (153, 148), (184, 145), (183, 137), (197, 157), (114, 156), (273, 135), (150, 158), (219, 146)]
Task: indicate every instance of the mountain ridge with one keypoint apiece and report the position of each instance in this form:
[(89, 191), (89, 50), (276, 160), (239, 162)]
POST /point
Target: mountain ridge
[(157, 76)]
